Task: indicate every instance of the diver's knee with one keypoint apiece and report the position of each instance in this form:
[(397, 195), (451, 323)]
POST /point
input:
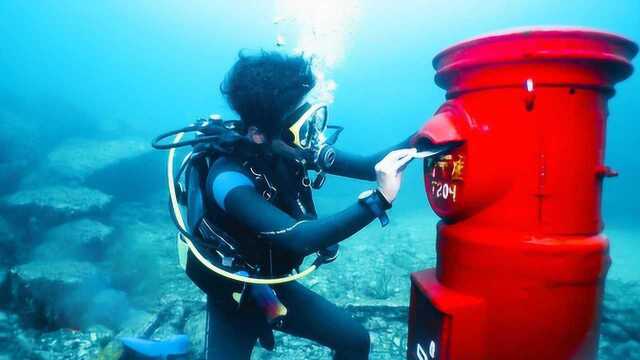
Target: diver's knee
[(356, 348), (363, 341)]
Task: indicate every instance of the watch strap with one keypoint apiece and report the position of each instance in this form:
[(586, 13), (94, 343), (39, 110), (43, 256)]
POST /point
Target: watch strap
[(377, 204)]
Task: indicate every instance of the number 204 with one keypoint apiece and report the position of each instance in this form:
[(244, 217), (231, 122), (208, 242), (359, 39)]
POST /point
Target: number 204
[(444, 190)]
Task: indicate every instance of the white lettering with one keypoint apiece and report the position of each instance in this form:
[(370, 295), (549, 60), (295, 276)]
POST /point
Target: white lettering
[(444, 191), (422, 355)]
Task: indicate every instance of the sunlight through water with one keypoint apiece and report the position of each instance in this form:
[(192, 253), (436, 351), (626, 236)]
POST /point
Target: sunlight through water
[(318, 30)]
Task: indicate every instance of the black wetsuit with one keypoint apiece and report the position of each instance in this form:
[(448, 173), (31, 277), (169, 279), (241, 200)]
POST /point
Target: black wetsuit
[(292, 233)]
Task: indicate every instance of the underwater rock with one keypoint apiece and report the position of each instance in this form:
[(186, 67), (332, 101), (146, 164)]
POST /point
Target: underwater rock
[(15, 342), (133, 179), (143, 258), (29, 344), (4, 285), (6, 328), (7, 246), (291, 347), (8, 242), (622, 306), (52, 294), (628, 350), (83, 239), (6, 234), (54, 204), (129, 213), (3, 278), (176, 308), (387, 326), (108, 307), (14, 246), (12, 173), (171, 318), (76, 159)]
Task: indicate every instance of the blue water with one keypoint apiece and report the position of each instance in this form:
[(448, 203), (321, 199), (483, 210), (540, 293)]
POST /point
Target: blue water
[(142, 67), (154, 65)]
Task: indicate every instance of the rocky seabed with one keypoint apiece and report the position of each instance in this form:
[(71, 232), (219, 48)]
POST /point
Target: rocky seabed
[(84, 265)]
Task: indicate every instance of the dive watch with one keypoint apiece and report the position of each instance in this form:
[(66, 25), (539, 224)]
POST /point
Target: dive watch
[(377, 203)]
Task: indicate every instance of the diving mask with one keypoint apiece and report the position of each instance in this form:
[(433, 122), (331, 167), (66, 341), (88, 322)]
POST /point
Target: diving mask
[(308, 129), (304, 139)]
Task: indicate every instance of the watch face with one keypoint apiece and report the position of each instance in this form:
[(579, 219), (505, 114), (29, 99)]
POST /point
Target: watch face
[(365, 194)]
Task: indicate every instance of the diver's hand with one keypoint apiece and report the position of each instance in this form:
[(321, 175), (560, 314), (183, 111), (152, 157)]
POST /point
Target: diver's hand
[(389, 172)]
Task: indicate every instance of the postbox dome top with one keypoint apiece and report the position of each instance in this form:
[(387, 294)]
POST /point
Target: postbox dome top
[(528, 44)]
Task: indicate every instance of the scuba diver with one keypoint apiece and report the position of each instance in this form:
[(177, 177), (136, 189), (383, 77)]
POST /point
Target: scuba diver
[(251, 219)]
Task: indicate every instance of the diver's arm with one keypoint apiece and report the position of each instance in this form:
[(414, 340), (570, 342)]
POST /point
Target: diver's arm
[(299, 238), (236, 194), (359, 166)]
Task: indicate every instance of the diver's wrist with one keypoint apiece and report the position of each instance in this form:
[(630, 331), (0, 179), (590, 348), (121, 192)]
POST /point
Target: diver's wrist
[(376, 203), (384, 198)]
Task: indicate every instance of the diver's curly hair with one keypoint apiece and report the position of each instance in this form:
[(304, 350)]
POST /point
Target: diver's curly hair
[(264, 87)]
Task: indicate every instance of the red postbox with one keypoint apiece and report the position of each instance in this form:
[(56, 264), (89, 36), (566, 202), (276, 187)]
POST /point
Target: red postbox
[(521, 262)]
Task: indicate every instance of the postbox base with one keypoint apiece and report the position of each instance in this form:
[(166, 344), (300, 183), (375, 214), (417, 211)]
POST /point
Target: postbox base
[(444, 324), (541, 300)]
